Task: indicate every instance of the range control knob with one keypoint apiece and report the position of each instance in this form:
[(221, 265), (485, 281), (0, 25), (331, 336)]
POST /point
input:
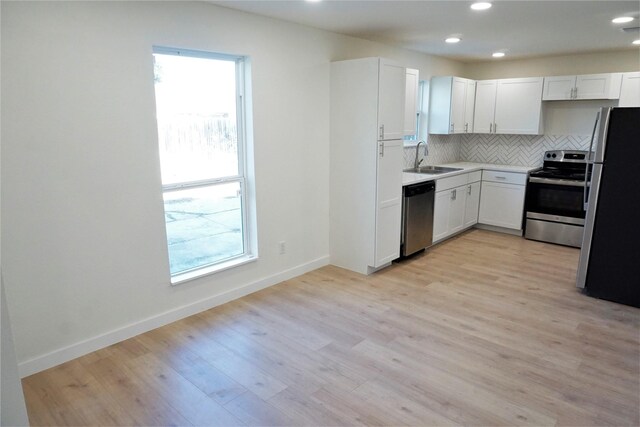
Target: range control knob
[(554, 155), (548, 155)]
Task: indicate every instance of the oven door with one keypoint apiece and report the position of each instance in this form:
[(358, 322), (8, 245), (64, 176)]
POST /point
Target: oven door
[(555, 200)]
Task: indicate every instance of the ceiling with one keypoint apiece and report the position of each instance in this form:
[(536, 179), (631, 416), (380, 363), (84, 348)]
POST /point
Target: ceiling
[(519, 28)]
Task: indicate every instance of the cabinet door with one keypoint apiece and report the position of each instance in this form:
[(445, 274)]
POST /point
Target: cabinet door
[(472, 204), (457, 211), (558, 88), (391, 92), (469, 105), (598, 86), (630, 90), (388, 201), (441, 211), (411, 102), (458, 97), (501, 205), (519, 106), (485, 106)]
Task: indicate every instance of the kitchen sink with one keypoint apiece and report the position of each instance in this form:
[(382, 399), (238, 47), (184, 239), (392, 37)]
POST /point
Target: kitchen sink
[(433, 170)]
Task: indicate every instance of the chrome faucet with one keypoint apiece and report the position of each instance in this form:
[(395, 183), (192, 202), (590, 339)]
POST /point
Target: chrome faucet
[(416, 163)]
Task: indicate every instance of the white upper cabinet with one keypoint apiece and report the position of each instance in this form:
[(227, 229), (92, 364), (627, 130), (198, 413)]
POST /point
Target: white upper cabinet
[(558, 88), (451, 105), (630, 90), (598, 86), (485, 108), (411, 102), (470, 104), (586, 86), (391, 103), (519, 106), (509, 106)]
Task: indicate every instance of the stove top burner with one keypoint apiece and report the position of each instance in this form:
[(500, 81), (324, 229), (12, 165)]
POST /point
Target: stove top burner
[(563, 164)]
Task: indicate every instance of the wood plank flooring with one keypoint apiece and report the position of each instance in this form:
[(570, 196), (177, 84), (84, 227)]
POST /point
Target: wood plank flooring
[(484, 329)]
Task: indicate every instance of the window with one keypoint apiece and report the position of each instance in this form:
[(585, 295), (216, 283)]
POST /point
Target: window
[(422, 115), (201, 135)]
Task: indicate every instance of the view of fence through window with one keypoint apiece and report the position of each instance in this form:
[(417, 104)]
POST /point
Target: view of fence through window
[(196, 106)]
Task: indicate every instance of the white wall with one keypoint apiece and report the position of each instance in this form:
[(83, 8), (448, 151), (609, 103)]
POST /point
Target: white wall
[(584, 63), (84, 255), (13, 411)]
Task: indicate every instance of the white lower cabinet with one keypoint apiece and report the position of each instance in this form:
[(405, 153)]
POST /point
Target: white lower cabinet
[(456, 206), (389, 202), (448, 213), (502, 201), (472, 204)]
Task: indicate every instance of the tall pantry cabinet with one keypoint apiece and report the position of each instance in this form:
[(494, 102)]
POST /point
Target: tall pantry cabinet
[(367, 124)]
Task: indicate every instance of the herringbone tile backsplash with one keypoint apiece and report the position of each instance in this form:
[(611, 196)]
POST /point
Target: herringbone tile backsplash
[(517, 150), (442, 149), (520, 150)]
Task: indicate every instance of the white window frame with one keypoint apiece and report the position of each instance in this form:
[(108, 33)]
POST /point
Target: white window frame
[(248, 227), (422, 115)]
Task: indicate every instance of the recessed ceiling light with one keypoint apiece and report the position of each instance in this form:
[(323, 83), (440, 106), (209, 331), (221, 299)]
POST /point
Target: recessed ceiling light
[(622, 20), (636, 41), (481, 5), (497, 54), (452, 40), (313, 1)]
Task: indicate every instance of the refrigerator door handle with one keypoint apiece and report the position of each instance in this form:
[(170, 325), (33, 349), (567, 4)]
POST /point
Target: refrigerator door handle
[(585, 191), (600, 137), (585, 250), (593, 136), (589, 163)]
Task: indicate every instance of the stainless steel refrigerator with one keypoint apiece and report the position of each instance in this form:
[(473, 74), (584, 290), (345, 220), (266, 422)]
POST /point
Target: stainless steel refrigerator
[(610, 255)]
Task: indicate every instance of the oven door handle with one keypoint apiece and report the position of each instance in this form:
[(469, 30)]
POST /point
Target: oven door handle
[(551, 181)]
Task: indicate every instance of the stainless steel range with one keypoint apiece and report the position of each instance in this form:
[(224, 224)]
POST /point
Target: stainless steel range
[(555, 198)]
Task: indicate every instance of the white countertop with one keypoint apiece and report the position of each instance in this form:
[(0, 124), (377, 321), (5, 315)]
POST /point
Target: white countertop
[(413, 178)]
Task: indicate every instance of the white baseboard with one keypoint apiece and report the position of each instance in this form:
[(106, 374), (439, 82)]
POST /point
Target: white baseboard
[(56, 357)]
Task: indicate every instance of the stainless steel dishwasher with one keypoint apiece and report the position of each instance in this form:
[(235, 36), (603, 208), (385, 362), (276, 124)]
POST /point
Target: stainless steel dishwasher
[(417, 217)]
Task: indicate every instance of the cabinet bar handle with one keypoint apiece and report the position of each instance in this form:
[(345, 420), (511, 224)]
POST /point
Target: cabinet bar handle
[(382, 132), (382, 149), (490, 127), (469, 190), (501, 177), (466, 127), (495, 127), (452, 127)]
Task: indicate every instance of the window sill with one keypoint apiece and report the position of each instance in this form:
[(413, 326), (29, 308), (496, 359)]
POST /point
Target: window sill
[(212, 269)]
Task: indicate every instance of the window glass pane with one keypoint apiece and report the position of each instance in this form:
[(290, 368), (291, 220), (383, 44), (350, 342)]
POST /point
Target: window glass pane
[(204, 225), (196, 113)]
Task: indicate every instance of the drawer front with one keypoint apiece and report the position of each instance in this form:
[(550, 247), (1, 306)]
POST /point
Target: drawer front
[(474, 176), (505, 177), (451, 182)]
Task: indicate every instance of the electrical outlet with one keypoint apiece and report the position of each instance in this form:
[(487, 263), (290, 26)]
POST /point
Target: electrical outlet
[(282, 248)]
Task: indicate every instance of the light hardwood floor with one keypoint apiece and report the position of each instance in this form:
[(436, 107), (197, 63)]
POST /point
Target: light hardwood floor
[(485, 329)]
